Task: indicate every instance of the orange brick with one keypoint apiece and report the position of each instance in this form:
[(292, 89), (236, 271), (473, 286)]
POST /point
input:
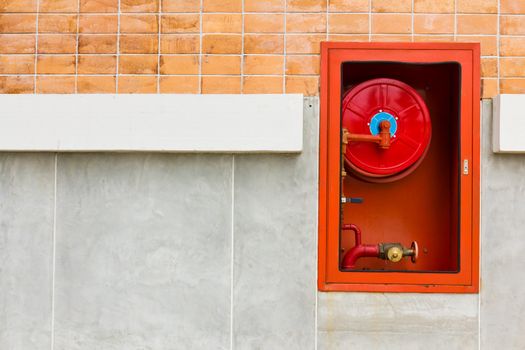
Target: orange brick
[(263, 43), (304, 43), (139, 24), (56, 64), (181, 5), (306, 5), (512, 67), (391, 24), (512, 86), (512, 6), (391, 38), (19, 64), (18, 5), (512, 25), (306, 23), (96, 84), (348, 37), (348, 6), (512, 46), (489, 67), (179, 85), (16, 85), (137, 43), (139, 5), (477, 6), (263, 23), (138, 64), (137, 84), (348, 23), (265, 64), (434, 24), (57, 43), (17, 43), (98, 24), (264, 6), (433, 6), (179, 64), (221, 43), (57, 23), (489, 88), (489, 44), (222, 5), (97, 44), (434, 38), (391, 5), (222, 23), (302, 85), (98, 6), (262, 85), (221, 85), (186, 23), (297, 65), (89, 64), (48, 84), (477, 24), (58, 6), (17, 23), (221, 65), (179, 43)]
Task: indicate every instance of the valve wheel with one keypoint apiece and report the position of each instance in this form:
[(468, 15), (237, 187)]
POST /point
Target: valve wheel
[(415, 248), (364, 107)]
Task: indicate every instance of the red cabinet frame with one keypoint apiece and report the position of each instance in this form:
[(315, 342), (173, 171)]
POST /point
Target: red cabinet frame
[(330, 278)]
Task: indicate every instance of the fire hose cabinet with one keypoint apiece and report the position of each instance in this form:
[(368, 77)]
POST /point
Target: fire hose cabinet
[(399, 167)]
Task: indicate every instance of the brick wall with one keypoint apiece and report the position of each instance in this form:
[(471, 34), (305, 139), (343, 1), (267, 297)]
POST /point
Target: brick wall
[(233, 46)]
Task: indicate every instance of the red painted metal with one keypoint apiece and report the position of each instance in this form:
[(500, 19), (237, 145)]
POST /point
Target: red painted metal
[(359, 250), (407, 146), (438, 205)]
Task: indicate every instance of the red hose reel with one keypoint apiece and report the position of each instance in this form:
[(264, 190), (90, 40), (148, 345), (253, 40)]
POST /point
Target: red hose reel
[(370, 107)]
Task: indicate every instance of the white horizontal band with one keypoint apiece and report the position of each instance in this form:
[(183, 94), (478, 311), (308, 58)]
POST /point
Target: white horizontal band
[(154, 123)]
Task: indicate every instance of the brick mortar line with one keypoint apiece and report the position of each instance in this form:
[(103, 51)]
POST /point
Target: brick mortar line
[(118, 50), (36, 45), (159, 51), (242, 63), (76, 46), (200, 46)]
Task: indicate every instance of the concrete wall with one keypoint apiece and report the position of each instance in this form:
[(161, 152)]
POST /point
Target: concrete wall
[(143, 251)]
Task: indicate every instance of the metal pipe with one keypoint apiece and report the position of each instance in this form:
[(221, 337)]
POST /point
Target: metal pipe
[(359, 250)]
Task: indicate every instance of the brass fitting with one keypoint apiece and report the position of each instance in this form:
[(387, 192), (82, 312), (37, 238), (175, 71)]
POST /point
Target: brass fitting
[(394, 252)]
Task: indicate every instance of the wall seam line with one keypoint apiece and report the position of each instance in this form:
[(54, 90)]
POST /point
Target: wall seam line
[(53, 253), (232, 247)]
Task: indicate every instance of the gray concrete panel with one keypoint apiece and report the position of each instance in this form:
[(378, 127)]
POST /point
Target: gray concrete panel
[(398, 321), (503, 245), (26, 246), (275, 246), (143, 252)]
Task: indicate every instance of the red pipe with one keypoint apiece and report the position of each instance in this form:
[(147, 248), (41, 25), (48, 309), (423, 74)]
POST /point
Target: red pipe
[(359, 250)]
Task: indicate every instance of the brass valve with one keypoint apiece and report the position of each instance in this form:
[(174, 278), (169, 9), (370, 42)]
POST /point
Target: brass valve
[(394, 252)]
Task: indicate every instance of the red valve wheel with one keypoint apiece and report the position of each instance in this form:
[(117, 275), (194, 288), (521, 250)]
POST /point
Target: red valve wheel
[(415, 248), (364, 107)]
